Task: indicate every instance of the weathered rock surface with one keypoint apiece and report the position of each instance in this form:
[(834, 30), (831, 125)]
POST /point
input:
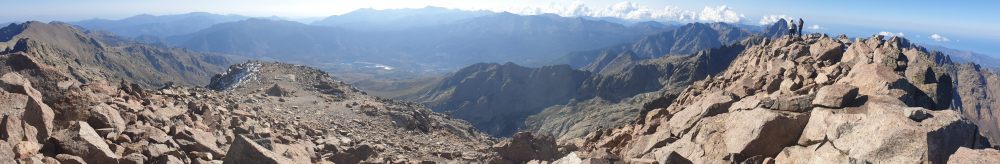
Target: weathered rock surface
[(836, 96), (966, 155), (55, 109), (524, 147), (806, 100), (83, 141), (7, 155), (245, 150)]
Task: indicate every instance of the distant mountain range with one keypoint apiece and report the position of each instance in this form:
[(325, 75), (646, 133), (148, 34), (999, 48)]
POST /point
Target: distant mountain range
[(159, 26), (499, 99), (683, 40), (502, 37), (962, 56), (368, 19)]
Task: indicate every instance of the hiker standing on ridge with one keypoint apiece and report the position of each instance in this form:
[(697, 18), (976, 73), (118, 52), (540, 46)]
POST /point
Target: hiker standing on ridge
[(801, 23), (791, 30)]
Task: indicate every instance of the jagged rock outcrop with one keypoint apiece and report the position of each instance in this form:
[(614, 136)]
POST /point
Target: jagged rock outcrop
[(978, 98), (793, 100), (778, 29)]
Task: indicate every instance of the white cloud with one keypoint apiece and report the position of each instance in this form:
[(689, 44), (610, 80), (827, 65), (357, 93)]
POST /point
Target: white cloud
[(634, 11), (817, 27), (770, 19), (720, 14), (939, 38), (891, 34)]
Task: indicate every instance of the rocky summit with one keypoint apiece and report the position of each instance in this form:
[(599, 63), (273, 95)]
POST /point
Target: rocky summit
[(814, 99), (629, 83), (245, 122), (254, 112)]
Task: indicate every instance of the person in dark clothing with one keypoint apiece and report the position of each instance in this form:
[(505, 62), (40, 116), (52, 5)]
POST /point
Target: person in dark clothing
[(801, 23)]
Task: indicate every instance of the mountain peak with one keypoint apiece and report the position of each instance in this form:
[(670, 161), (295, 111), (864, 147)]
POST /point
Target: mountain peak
[(870, 84)]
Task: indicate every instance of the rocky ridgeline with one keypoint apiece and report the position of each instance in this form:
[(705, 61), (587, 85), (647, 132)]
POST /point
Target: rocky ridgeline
[(72, 96), (277, 113), (811, 99)]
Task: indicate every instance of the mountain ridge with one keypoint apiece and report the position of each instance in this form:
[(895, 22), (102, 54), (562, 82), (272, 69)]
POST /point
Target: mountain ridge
[(86, 54), (797, 112), (158, 26)]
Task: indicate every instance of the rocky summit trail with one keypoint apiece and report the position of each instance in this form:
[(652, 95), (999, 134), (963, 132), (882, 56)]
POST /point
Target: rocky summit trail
[(816, 99)]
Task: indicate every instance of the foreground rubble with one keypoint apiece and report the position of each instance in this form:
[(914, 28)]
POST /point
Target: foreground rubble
[(805, 100), (275, 113)]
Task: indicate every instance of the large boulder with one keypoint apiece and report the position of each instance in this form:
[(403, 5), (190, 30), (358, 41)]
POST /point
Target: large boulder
[(40, 116), (739, 136), (197, 140), (104, 116), (246, 151), (800, 103), (26, 149), (762, 132), (827, 49), (354, 154), (974, 156), (711, 104), (69, 159), (278, 91), (836, 96), (816, 153), (871, 79), (83, 141), (524, 147), (861, 134), (11, 128), (15, 83)]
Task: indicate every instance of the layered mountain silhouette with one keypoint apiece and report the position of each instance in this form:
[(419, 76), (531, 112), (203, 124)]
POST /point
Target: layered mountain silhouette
[(158, 26), (368, 19), (89, 56), (611, 91), (683, 40), (473, 92), (498, 37), (961, 56)]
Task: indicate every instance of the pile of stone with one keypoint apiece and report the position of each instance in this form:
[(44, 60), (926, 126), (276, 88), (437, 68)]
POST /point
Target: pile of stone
[(795, 100), (69, 122)]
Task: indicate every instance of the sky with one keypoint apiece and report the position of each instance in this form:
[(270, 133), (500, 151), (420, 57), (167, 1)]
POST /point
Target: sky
[(967, 24)]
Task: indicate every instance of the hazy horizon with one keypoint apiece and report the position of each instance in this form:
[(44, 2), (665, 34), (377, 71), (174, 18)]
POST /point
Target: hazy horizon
[(954, 25)]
